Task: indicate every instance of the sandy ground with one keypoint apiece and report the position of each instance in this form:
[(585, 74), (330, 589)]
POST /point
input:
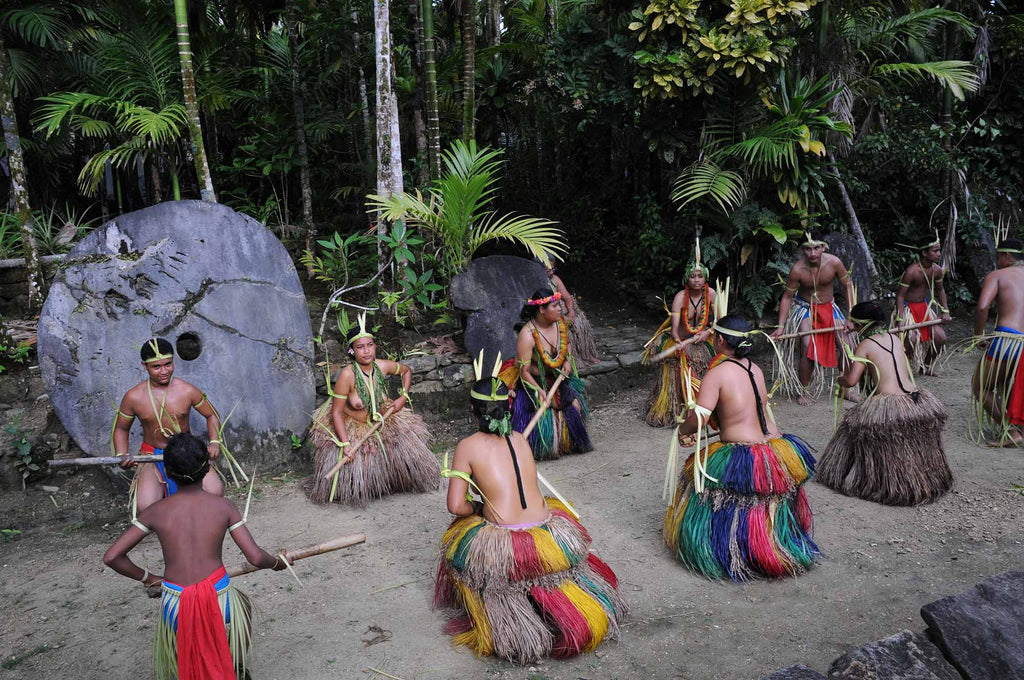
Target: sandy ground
[(63, 613)]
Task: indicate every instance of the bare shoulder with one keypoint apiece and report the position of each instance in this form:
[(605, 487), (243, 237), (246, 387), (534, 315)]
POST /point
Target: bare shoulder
[(526, 333), (184, 387), (833, 261)]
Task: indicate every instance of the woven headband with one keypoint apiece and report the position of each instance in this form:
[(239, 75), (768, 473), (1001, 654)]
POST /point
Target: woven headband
[(809, 241), (736, 334), (540, 302), (157, 355), (363, 333), (1014, 251), (478, 369)]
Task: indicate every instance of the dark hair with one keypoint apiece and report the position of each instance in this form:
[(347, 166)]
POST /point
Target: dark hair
[(1014, 244), (871, 310), (350, 337), (185, 459), (529, 312), (486, 411), (147, 352), (816, 234), (740, 345)]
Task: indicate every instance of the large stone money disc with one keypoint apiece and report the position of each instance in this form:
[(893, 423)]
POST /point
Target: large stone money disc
[(216, 284)]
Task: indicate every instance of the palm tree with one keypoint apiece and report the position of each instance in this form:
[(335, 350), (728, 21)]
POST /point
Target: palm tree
[(430, 89), (195, 127), (469, 12), (298, 106), (455, 210)]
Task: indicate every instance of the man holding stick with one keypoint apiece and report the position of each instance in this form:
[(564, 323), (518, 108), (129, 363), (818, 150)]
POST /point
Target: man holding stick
[(162, 403), (393, 455), (921, 297), (808, 305), (542, 353), (205, 630), (998, 384)]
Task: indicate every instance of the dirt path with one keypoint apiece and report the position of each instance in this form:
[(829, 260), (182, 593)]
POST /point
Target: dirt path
[(62, 613)]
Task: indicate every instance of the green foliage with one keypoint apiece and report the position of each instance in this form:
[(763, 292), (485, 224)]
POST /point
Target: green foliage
[(20, 449), (55, 231), (18, 353), (296, 441), (7, 535), (333, 265)]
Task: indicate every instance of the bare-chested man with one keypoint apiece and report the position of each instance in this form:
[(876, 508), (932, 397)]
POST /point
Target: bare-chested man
[(162, 403), (192, 640), (729, 516), (999, 380), (922, 297), (516, 551), (808, 304)]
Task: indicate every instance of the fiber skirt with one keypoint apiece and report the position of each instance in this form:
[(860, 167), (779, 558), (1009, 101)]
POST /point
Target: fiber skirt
[(396, 461), (523, 594), (581, 338), (753, 518), (888, 449), (562, 429), (667, 398)]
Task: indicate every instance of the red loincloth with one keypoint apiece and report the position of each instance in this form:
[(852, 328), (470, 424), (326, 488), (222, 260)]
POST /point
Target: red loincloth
[(1015, 404), (822, 347), (203, 651), (919, 310)]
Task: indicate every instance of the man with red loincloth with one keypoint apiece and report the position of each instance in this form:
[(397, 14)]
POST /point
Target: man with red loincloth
[(808, 304), (998, 383), (921, 297)]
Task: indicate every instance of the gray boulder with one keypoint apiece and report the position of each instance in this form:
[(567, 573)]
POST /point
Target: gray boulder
[(904, 656), (795, 672), (982, 631), (844, 246), (492, 291), (217, 285)]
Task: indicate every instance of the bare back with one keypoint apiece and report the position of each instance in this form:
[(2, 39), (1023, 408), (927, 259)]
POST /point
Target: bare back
[(726, 390), (489, 461), (1010, 296), (891, 370)]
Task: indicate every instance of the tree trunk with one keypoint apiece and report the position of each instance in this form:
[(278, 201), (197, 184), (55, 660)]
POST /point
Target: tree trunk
[(298, 105), (430, 90), (364, 101), (19, 186), (419, 125), (389, 145), (154, 177), (494, 7), (469, 12), (851, 215), (188, 84)]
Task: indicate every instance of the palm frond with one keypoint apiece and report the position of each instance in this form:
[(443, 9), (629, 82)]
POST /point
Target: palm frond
[(537, 235), (162, 127), (120, 157), (705, 179), (955, 76), (42, 24), (61, 107)]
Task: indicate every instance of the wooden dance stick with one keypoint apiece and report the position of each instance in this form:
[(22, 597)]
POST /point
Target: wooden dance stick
[(544, 406), (302, 553), (347, 458), (103, 460), (665, 354), (898, 329), (914, 326)]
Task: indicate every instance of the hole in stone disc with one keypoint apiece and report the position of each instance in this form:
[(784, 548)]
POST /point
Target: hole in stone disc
[(189, 346)]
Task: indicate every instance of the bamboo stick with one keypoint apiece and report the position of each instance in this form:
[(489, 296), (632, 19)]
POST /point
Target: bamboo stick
[(898, 329), (914, 326), (103, 460), (349, 456), (544, 406), (302, 553), (665, 354)]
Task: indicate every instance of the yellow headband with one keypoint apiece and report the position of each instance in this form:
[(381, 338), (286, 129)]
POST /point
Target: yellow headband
[(811, 242), (363, 333), (1014, 251), (478, 369), (157, 356)]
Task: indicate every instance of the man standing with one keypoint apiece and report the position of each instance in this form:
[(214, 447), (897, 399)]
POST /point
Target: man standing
[(808, 304), (998, 384), (921, 297), (162, 403)]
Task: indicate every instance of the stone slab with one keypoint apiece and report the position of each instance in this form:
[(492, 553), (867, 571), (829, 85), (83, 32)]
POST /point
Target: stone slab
[(172, 270), (845, 247), (795, 672), (981, 631), (905, 656)]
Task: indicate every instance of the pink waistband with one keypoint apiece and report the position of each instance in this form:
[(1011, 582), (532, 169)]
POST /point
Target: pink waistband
[(524, 525)]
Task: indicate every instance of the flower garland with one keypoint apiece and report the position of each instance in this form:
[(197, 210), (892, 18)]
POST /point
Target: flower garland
[(563, 346), (705, 313)]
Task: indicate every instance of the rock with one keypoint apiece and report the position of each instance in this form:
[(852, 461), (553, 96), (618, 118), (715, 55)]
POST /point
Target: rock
[(603, 366), (492, 291), (982, 630), (904, 656), (795, 672), (427, 387), (845, 247), (630, 359), (50, 489), (976, 260), (455, 375), (217, 285), (421, 363)]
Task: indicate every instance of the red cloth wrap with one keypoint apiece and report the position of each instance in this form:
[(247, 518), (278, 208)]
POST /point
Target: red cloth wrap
[(1015, 405), (919, 310), (822, 347), (203, 651)]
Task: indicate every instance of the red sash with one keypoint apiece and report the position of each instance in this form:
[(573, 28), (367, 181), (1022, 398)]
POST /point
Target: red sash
[(203, 651), (822, 347), (919, 310), (1015, 404)]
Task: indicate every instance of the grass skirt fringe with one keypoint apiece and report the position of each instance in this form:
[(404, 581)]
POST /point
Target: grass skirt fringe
[(667, 398), (791, 349), (581, 338), (404, 464), (888, 449), (753, 521), (238, 616), (524, 594), (562, 429), (917, 348)]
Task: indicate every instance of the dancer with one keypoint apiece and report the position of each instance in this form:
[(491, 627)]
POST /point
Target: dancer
[(204, 630), (998, 384), (542, 353), (517, 567), (162, 403), (738, 507), (888, 448), (581, 335), (393, 457), (921, 297), (691, 315), (808, 304)]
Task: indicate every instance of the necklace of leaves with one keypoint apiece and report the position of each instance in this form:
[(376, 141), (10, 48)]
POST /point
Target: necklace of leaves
[(159, 413)]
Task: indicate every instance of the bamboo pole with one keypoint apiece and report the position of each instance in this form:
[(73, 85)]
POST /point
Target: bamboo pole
[(345, 459), (914, 326), (103, 460), (898, 329), (544, 406), (665, 354), (302, 553)]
